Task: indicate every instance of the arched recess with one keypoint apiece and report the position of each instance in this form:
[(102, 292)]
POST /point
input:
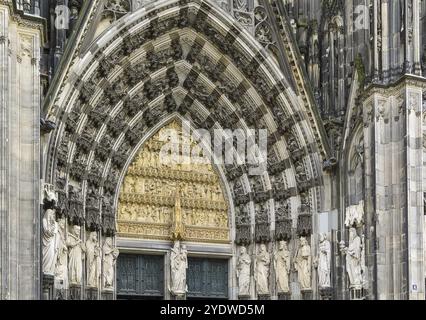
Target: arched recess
[(185, 57), (152, 185)]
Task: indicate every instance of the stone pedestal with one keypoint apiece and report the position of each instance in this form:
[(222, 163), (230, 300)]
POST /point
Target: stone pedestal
[(326, 293), (48, 291), (307, 294), (107, 295), (179, 297), (357, 294), (247, 297), (284, 296), (60, 294), (92, 294), (264, 297), (74, 293)]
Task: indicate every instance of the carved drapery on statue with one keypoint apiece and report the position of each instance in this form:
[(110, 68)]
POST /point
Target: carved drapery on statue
[(303, 264), (324, 262), (353, 253), (282, 267), (61, 268), (76, 249), (93, 260), (263, 261), (49, 230), (110, 255), (178, 266), (243, 272), (171, 200)]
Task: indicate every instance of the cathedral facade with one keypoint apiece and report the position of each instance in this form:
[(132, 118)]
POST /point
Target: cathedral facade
[(213, 149)]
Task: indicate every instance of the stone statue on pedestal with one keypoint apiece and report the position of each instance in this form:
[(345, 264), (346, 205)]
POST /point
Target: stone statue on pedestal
[(282, 267), (243, 272), (75, 259), (263, 261), (49, 231), (110, 255), (324, 262), (61, 268), (353, 259), (93, 254), (178, 264), (303, 264)]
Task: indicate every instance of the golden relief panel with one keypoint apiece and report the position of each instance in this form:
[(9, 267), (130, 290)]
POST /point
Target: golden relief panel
[(172, 200)]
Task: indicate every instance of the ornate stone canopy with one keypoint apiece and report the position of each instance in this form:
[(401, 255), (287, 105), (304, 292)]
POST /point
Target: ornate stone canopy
[(181, 57)]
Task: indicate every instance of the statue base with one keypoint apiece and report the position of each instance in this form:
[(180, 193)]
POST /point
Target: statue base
[(74, 292), (307, 294), (92, 294), (61, 294), (244, 297), (284, 296), (48, 288), (357, 293), (108, 295), (178, 296), (326, 293), (264, 297)]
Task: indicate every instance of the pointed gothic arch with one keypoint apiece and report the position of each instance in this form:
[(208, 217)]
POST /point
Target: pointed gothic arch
[(187, 57)]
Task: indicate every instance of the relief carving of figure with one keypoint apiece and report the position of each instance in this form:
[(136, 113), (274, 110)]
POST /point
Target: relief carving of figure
[(49, 232), (179, 264), (263, 261), (61, 268), (353, 259), (75, 259), (282, 267), (93, 254), (129, 184), (324, 262), (49, 241), (243, 272), (110, 255), (354, 214), (303, 264)]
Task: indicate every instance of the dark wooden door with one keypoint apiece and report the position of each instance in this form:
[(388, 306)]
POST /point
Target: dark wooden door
[(140, 276), (207, 278)]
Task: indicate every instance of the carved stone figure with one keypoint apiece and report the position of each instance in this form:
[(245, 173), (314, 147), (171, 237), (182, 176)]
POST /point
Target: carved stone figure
[(354, 214), (61, 268), (93, 254), (282, 267), (243, 272), (49, 231), (263, 261), (179, 264), (353, 259), (75, 259), (303, 264), (324, 262), (178, 228), (110, 254)]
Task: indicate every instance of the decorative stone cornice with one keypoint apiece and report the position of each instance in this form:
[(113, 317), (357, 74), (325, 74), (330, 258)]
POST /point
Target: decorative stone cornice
[(394, 88)]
